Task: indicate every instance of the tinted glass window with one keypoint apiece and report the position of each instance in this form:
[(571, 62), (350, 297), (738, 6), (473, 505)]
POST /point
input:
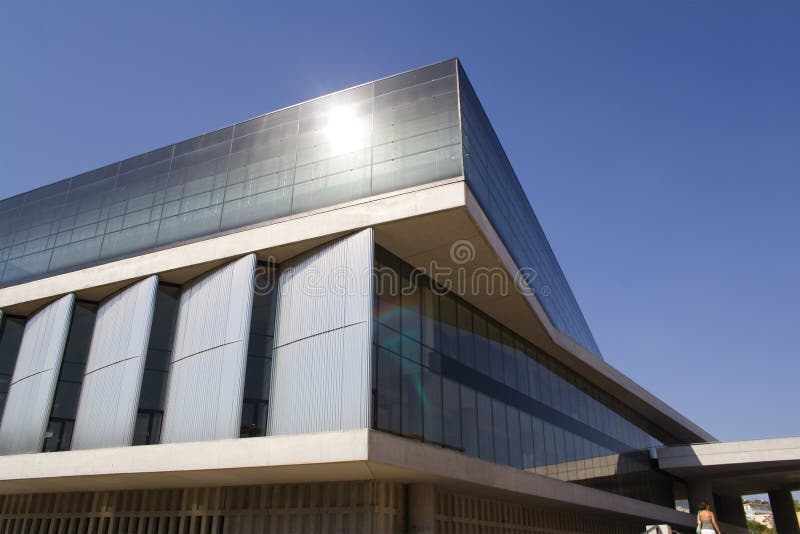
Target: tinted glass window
[(259, 354), (11, 331), (448, 374), (156, 368), (58, 436)]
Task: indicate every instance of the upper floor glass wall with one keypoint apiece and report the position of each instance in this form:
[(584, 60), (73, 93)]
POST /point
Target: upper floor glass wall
[(382, 136), (497, 189)]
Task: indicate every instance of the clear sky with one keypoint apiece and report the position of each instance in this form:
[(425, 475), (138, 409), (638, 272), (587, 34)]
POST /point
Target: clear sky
[(659, 143)]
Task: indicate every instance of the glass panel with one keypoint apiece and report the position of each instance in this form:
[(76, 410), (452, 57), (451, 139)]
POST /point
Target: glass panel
[(451, 413), (526, 435), (514, 437), (466, 347), (410, 312), (448, 310), (156, 366), (259, 353), (495, 352), (482, 363), (485, 428), (500, 432), (430, 320), (412, 399), (11, 331), (388, 399), (432, 389), (509, 359), (469, 421), (522, 367), (70, 377)]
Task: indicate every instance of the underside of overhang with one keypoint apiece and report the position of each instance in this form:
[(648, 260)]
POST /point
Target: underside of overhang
[(433, 243), (420, 225)]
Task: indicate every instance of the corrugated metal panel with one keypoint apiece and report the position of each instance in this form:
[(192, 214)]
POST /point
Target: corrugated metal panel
[(206, 378), (113, 377), (322, 357), (30, 395)]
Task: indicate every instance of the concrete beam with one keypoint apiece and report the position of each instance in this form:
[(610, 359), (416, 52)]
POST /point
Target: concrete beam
[(737, 467), (330, 222), (351, 455)]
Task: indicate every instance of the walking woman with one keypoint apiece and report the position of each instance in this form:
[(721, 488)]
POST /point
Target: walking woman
[(706, 521)]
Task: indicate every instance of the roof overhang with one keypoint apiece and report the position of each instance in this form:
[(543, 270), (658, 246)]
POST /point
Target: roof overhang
[(737, 467), (418, 224)]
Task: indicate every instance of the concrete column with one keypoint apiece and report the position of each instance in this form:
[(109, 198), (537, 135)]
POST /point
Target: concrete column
[(698, 491), (782, 505), (731, 510), (421, 509)]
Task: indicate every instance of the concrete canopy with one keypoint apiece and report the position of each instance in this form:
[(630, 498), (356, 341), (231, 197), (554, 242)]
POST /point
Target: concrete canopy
[(737, 467)]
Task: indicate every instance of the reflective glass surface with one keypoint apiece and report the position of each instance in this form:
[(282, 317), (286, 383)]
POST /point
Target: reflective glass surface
[(383, 136), (449, 374), (150, 413), (70, 378), (496, 187), (259, 354), (11, 331)]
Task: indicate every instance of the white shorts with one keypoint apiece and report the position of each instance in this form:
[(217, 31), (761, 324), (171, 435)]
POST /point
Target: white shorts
[(708, 531)]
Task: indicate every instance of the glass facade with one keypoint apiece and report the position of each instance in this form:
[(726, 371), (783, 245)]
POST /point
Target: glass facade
[(496, 187), (259, 353), (11, 330), (58, 436), (382, 136), (386, 135), (446, 373), (150, 413)]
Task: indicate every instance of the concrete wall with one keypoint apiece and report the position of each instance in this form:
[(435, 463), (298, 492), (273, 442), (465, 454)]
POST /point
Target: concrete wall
[(30, 395), (322, 356), (209, 356), (113, 378)]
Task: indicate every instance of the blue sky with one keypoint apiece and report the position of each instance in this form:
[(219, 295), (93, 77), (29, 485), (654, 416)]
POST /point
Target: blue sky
[(659, 143)]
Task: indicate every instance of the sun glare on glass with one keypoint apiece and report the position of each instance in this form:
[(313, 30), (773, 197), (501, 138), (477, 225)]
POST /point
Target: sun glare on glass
[(346, 131)]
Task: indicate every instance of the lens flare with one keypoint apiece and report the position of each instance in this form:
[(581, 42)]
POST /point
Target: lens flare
[(346, 131)]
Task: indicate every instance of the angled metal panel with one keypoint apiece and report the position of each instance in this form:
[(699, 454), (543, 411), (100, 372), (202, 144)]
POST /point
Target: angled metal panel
[(30, 395), (322, 356), (113, 377), (209, 357)]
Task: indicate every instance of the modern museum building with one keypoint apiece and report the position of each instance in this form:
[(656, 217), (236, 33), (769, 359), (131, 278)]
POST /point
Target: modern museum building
[(342, 316)]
